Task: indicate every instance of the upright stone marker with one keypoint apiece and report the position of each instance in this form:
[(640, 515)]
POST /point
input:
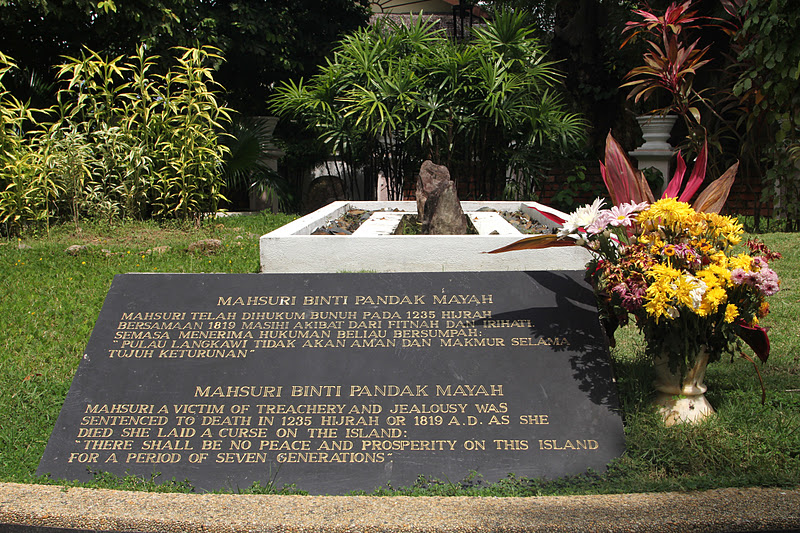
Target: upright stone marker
[(339, 382)]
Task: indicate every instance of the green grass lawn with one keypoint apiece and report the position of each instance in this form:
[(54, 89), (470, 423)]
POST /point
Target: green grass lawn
[(49, 301)]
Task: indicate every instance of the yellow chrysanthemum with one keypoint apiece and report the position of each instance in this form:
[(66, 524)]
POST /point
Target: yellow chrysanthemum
[(704, 246), (731, 312), (658, 308), (715, 275), (661, 273), (734, 239), (709, 278), (724, 228), (742, 261), (689, 291), (661, 295), (718, 258), (648, 238), (697, 227), (716, 297), (658, 301), (667, 212)]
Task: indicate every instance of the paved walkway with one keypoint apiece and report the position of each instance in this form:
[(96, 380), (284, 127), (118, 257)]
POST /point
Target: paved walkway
[(36, 509)]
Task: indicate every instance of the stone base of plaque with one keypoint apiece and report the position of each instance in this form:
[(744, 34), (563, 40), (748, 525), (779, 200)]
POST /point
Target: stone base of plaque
[(53, 509), (292, 248)]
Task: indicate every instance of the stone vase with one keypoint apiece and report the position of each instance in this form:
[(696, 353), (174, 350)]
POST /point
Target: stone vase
[(681, 399), (656, 152), (656, 130)]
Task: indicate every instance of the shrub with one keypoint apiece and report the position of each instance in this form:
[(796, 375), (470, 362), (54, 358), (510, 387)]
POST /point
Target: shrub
[(123, 141), (395, 94)]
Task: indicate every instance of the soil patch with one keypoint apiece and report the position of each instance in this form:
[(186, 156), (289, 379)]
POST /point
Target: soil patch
[(345, 224), (412, 225), (352, 220), (524, 223)]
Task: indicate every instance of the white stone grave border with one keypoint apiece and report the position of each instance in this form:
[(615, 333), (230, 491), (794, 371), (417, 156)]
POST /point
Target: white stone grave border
[(292, 249)]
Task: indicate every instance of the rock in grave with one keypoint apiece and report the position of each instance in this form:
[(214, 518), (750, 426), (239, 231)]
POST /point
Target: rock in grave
[(438, 206)]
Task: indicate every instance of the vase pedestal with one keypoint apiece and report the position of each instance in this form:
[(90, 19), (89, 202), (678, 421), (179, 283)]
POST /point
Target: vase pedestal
[(676, 409), (682, 400)]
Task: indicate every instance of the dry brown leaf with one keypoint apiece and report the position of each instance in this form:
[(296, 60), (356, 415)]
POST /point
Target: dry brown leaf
[(534, 243), (713, 198)]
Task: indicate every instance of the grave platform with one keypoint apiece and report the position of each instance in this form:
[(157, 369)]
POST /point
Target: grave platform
[(292, 248)]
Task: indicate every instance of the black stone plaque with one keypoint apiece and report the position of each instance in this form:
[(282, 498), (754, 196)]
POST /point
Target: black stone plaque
[(341, 382)]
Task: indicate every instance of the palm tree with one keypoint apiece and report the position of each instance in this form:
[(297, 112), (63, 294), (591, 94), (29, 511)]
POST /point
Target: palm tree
[(394, 95), (249, 163)]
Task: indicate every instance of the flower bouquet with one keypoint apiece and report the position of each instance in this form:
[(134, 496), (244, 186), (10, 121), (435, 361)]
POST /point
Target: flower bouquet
[(674, 269)]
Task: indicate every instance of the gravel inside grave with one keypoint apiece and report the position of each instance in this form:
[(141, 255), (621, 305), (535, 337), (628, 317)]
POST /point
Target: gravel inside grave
[(352, 219)]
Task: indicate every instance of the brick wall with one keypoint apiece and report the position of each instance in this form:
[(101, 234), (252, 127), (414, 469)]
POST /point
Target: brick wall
[(581, 192), (744, 197)]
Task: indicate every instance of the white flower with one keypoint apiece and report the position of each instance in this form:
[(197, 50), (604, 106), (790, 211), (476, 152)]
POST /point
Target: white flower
[(698, 292), (581, 218)]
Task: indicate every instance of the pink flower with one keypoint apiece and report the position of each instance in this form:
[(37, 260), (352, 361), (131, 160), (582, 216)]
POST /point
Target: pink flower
[(770, 288), (623, 214), (738, 276), (618, 215), (767, 281), (688, 254)]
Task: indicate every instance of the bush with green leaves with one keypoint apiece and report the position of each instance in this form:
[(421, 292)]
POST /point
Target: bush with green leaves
[(769, 83), (22, 192), (124, 140), (395, 94), (250, 158)]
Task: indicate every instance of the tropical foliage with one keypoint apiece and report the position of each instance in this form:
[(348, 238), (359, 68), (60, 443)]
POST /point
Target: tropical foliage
[(769, 89), (396, 94), (670, 63), (124, 140), (772, 74), (747, 103), (249, 161), (583, 36), (263, 42)]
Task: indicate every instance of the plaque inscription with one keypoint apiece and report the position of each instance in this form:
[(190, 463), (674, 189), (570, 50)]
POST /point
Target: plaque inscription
[(340, 382)]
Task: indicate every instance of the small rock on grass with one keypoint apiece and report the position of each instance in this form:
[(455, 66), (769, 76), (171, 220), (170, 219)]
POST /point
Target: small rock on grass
[(161, 250), (206, 246), (75, 249)]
